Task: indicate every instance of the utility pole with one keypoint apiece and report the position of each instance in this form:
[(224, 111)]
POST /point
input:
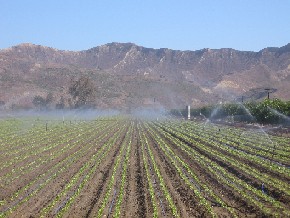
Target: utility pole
[(268, 91)]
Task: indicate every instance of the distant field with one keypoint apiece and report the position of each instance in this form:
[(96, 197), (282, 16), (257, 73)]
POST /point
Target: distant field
[(124, 167)]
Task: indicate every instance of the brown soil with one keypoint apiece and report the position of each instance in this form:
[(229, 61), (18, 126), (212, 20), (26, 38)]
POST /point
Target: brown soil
[(136, 199)]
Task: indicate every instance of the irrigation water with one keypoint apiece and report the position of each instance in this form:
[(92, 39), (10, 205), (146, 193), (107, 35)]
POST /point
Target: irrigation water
[(285, 118), (248, 133), (259, 130)]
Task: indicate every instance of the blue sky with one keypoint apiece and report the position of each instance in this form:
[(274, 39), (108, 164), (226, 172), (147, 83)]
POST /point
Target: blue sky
[(183, 25)]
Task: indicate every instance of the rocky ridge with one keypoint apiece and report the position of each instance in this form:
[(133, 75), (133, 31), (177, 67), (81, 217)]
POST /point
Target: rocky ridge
[(129, 76)]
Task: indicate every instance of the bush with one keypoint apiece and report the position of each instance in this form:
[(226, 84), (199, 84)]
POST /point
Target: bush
[(270, 111)]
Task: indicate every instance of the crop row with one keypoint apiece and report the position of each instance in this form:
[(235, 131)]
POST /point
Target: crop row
[(35, 185), (218, 144), (238, 185)]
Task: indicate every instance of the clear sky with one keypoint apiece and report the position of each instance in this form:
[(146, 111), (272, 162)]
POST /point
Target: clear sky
[(176, 24)]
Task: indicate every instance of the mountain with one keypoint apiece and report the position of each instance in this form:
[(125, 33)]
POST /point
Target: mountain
[(128, 76)]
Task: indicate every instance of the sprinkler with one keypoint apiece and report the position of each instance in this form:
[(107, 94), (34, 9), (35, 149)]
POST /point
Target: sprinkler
[(263, 187)]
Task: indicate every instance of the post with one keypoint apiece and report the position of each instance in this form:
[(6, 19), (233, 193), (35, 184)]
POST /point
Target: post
[(268, 91), (46, 126), (188, 112)]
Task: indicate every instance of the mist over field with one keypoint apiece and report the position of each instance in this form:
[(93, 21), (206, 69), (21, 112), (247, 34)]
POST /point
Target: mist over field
[(144, 109)]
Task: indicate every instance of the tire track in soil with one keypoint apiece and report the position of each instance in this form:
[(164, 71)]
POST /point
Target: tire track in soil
[(101, 186), (147, 163), (236, 157), (41, 142), (183, 197), (128, 205), (139, 179), (163, 207), (42, 198), (245, 177), (134, 200), (57, 185), (240, 204), (20, 182), (146, 194), (225, 193), (238, 173)]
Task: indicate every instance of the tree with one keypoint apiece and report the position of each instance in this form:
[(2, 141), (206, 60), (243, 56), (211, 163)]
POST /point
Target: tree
[(60, 104), (83, 92), (39, 102), (42, 103), (49, 98)]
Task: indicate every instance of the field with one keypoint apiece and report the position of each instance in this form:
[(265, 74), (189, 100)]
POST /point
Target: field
[(125, 167)]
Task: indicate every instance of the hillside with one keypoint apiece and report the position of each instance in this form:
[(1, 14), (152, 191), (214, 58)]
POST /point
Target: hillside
[(128, 76)]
